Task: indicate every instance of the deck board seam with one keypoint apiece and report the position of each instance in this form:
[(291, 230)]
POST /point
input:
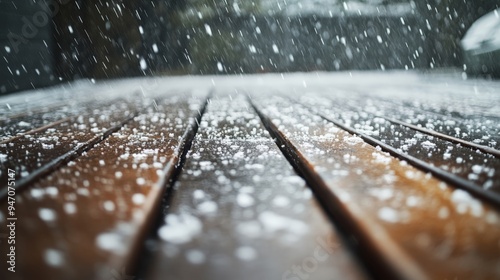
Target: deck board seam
[(443, 136), (170, 174), (450, 178), (35, 130), (377, 264), (446, 137), (67, 157)]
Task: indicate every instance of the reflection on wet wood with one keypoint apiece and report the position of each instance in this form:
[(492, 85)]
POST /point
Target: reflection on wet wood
[(87, 220), (239, 211), (40, 152), (14, 127), (471, 165), (472, 145), (417, 226)]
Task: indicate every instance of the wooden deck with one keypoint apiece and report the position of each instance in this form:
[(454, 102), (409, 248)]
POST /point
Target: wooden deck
[(310, 176)]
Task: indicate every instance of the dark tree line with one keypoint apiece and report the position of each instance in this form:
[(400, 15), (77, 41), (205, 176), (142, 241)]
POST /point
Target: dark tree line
[(105, 39)]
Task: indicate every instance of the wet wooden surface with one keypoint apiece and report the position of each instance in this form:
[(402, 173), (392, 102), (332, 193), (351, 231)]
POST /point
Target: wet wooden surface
[(390, 200), (266, 180), (246, 213), (32, 154), (468, 163), (87, 219)]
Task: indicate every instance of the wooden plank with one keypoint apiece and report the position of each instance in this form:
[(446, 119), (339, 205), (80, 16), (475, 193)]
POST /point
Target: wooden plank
[(473, 128), (239, 211), (15, 127), (27, 103), (466, 111), (468, 163), (33, 155), (87, 219), (478, 129), (125, 99), (455, 140), (411, 225)]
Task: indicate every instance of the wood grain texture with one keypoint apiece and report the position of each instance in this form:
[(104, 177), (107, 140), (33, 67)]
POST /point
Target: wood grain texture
[(468, 163), (417, 226), (87, 220), (239, 211)]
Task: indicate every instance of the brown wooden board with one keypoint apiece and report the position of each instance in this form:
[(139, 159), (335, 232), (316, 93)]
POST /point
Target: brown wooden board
[(65, 94), (480, 130), (87, 220), (18, 126), (34, 154), (469, 111), (411, 225), (469, 163), (239, 211), (47, 100), (476, 128)]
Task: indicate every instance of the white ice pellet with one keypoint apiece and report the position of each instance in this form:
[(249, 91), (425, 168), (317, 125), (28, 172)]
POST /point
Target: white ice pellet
[(150, 151), (195, 256), (207, 207), (460, 196), (53, 257), (388, 214), (281, 201), (109, 205), (52, 191), (382, 194), (294, 180), (472, 176), (246, 253), (273, 222), (198, 194), (70, 208), (47, 146), (412, 201), (428, 145), (140, 181), (353, 140), (83, 192), (138, 198), (37, 193), (47, 214), (244, 200), (381, 159), (477, 169), (208, 29), (443, 212), (180, 229), (110, 241)]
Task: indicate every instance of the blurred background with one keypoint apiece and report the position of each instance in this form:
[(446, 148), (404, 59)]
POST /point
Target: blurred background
[(45, 42)]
